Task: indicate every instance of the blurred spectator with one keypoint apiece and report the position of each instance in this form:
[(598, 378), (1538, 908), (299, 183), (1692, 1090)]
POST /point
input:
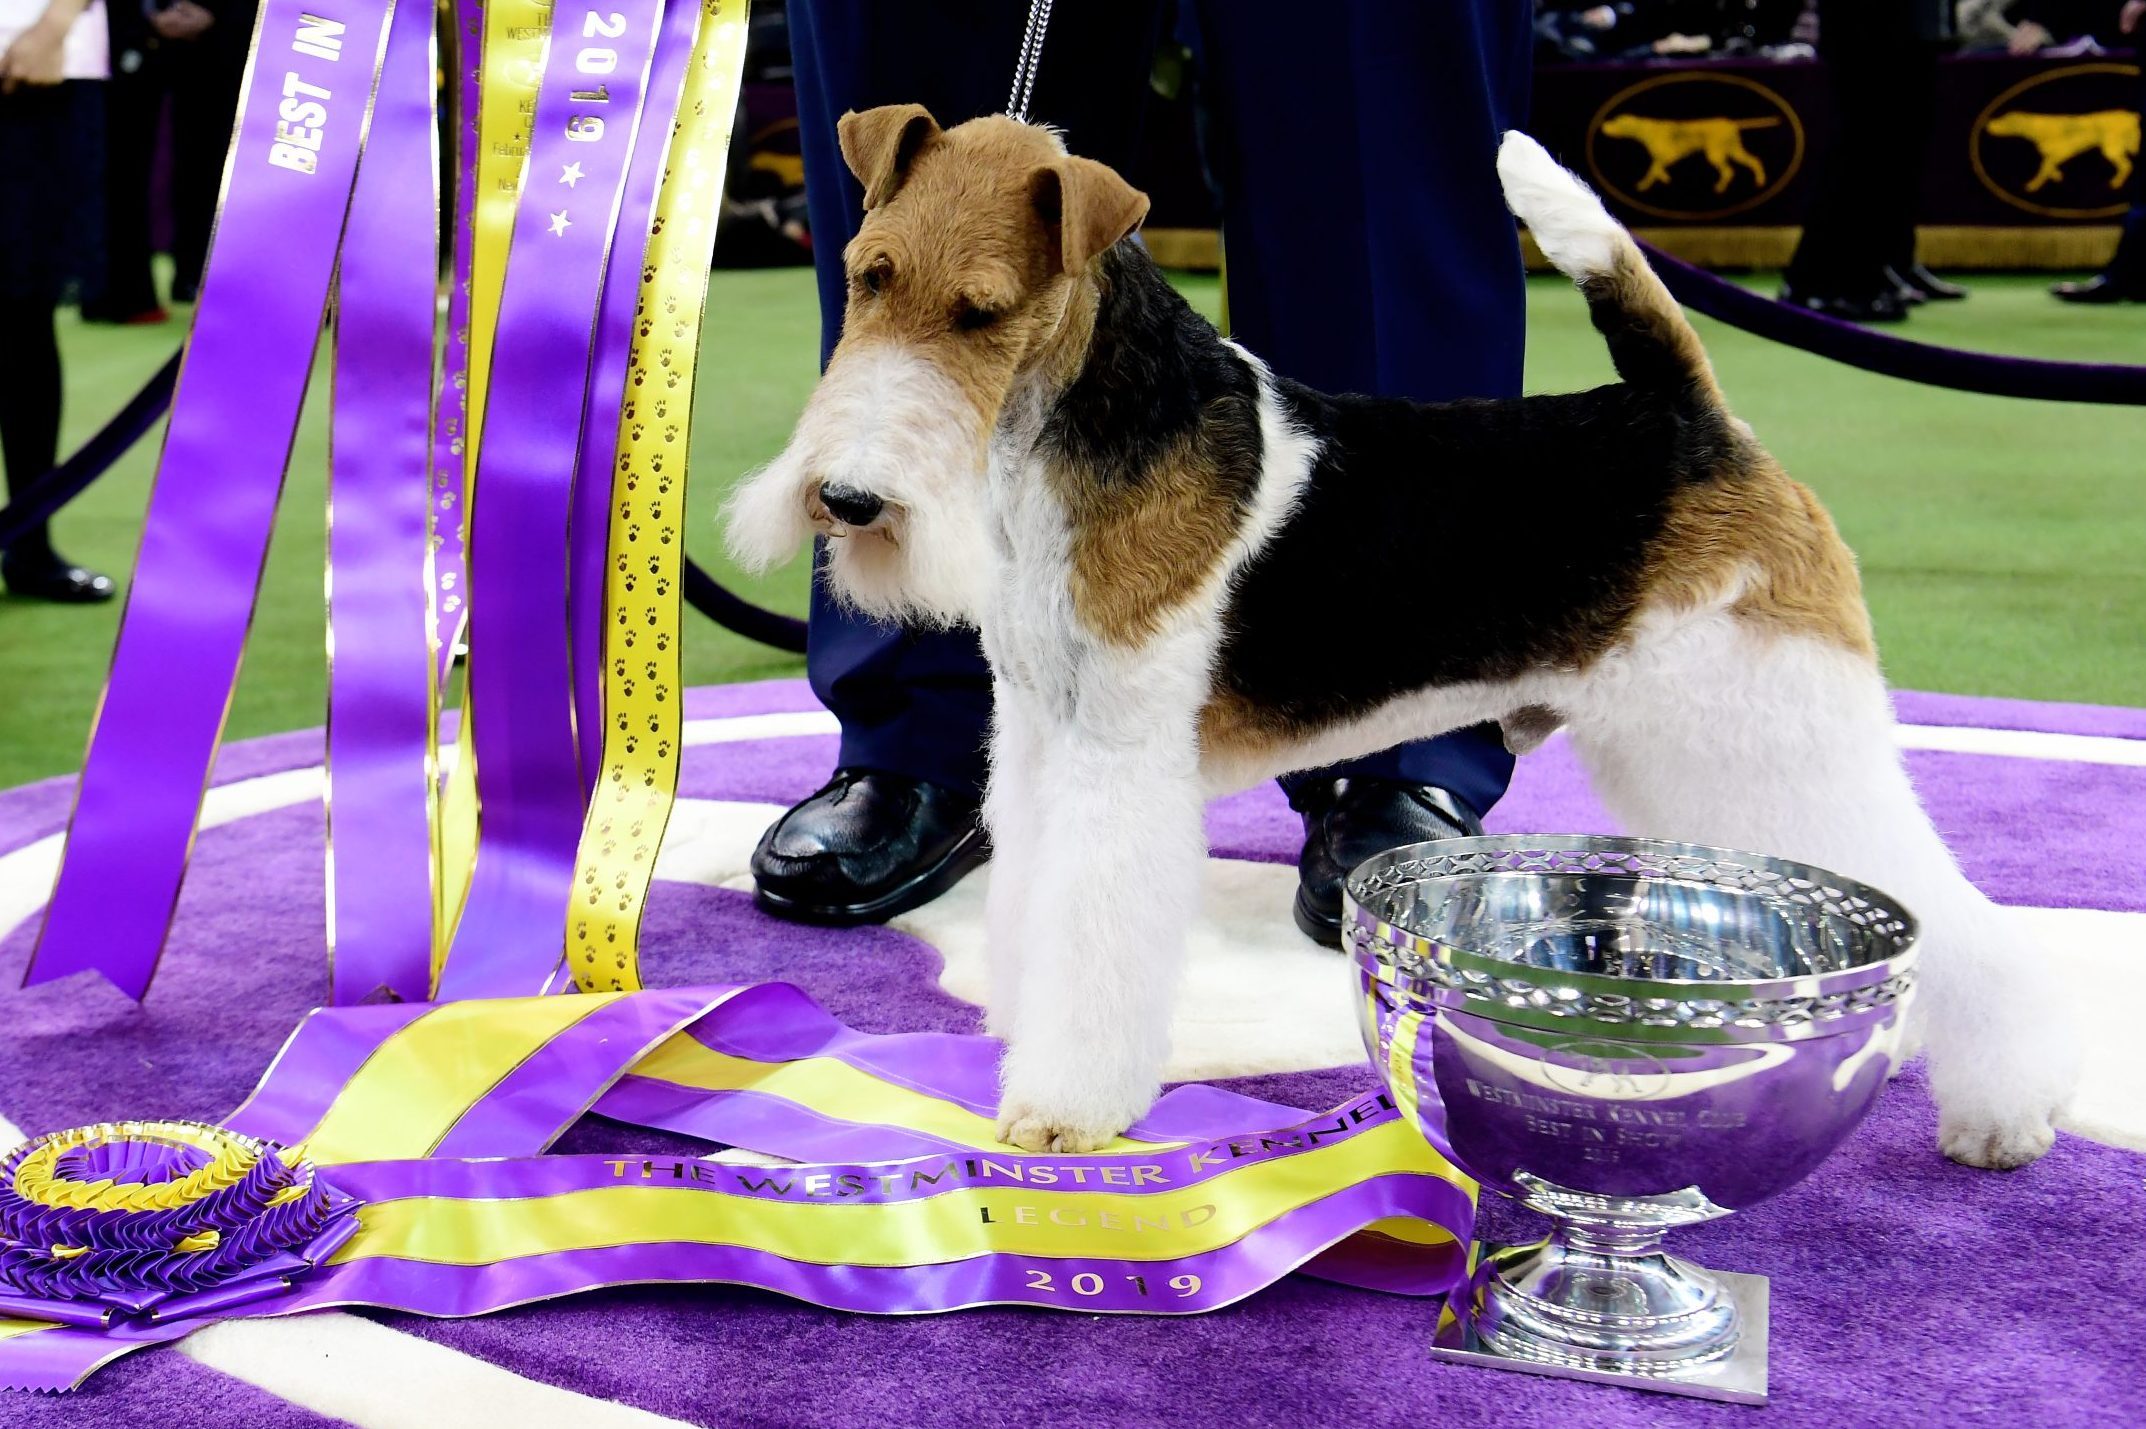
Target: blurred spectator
[(204, 43), (1985, 25), (1856, 259), (52, 56), (2065, 26), (1653, 29), (766, 221), (192, 52), (2124, 280)]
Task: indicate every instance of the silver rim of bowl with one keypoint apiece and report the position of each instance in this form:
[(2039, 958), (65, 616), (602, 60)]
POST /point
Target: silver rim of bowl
[(1820, 1002)]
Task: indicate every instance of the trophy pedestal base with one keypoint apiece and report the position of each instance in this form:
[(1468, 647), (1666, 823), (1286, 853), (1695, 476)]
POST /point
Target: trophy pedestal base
[(1738, 1378)]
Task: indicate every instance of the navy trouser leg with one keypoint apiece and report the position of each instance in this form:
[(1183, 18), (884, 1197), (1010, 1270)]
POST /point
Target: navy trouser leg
[(918, 702), (2127, 269), (1368, 241)]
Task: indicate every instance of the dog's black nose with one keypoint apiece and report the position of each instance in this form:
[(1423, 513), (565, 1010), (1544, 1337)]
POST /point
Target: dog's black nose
[(850, 506)]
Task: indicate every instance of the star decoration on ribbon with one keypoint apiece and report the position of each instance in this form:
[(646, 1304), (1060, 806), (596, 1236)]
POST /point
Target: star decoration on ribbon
[(572, 175), (560, 222)]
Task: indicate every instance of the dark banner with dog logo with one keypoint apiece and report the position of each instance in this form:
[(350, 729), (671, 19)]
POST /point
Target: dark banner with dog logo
[(2029, 162), (2030, 159)]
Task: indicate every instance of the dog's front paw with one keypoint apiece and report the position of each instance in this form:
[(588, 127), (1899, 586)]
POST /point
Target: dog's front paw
[(1069, 1107), (1997, 1105), (1052, 1131), (1996, 1145)]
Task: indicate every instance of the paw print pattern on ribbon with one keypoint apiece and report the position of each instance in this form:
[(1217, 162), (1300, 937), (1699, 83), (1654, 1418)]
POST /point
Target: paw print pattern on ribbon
[(632, 803)]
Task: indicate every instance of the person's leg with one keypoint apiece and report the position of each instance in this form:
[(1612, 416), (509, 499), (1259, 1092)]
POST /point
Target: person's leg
[(911, 702), (1370, 250), (29, 447), (1911, 117), (915, 704), (1839, 263), (918, 702), (132, 102), (205, 77), (1397, 272), (50, 214), (29, 412), (2127, 270), (2124, 279)]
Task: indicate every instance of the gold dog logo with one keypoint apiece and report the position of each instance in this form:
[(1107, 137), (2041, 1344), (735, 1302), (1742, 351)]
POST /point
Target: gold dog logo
[(1696, 145), (2061, 143), (1669, 141)]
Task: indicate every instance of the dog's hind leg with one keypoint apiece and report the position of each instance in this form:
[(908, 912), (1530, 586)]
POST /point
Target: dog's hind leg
[(1109, 894), (1710, 731)]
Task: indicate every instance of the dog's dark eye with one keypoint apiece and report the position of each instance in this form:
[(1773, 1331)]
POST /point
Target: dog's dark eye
[(873, 279), (970, 317)]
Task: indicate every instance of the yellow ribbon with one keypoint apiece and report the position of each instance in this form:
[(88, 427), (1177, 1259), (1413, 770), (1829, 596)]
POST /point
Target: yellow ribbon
[(421, 1081), (1018, 1219), (643, 688), (230, 1159)]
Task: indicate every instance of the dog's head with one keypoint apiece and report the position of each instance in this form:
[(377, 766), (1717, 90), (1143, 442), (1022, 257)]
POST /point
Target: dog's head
[(962, 281), (1622, 126)]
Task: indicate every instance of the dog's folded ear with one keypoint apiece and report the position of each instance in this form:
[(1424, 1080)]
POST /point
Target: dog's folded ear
[(880, 144), (1087, 206)]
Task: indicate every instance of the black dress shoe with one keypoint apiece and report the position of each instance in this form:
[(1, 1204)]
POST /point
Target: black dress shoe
[(1883, 307), (866, 847), (1909, 295), (1355, 819), (54, 579), (1927, 283), (2098, 289)]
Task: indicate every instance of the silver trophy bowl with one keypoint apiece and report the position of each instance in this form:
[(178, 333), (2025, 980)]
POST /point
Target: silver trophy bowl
[(1627, 1036)]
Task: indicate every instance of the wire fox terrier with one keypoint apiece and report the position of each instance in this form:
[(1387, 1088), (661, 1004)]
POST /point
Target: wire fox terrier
[(1168, 552)]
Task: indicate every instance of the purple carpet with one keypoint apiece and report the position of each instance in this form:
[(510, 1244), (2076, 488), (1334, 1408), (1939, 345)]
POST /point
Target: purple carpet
[(1904, 1288)]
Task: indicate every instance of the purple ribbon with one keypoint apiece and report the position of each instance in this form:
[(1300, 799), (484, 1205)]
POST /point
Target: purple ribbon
[(450, 576), (488, 1155), (379, 668), (206, 530), (598, 467), (521, 691), (1224, 1275)]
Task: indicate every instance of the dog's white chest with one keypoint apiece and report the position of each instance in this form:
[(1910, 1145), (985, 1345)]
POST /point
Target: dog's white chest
[(1029, 631)]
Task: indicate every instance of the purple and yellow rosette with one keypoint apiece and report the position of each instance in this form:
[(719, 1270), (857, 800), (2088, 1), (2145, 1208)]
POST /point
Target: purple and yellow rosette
[(158, 1221)]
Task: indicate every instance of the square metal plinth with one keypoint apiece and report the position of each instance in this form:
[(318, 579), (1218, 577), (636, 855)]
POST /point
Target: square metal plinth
[(1738, 1379)]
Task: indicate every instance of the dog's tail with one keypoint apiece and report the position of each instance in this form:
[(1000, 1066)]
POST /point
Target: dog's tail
[(1649, 340)]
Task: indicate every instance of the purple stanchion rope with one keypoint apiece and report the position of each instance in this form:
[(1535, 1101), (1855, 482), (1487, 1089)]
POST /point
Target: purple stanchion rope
[(45, 495), (740, 616), (42, 498), (1989, 373)]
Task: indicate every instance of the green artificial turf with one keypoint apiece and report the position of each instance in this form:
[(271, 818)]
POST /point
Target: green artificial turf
[(2003, 543)]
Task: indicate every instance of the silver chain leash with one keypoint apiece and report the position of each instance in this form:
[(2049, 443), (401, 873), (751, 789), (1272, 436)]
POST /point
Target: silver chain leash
[(1024, 70)]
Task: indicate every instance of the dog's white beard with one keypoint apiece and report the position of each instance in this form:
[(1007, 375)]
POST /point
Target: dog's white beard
[(885, 422)]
